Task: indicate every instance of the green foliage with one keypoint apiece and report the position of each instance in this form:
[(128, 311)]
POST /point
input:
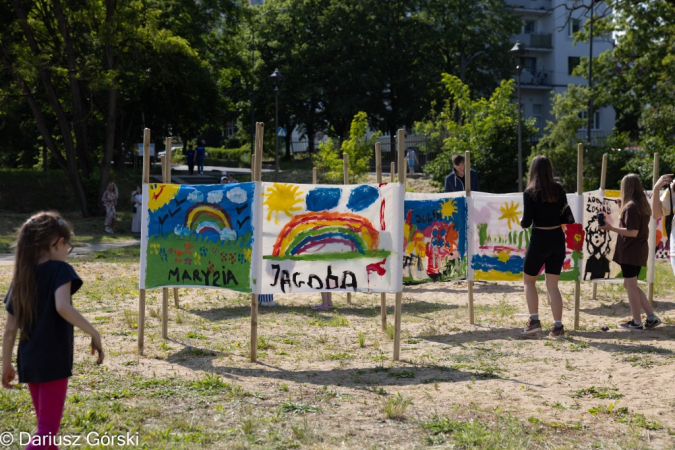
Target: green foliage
[(487, 127), (358, 149)]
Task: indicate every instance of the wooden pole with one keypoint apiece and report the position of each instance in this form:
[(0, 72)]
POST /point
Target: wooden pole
[(167, 179), (141, 296), (400, 140), (652, 238), (392, 172), (256, 175), (345, 168), (467, 187), (603, 185), (580, 191), (378, 172), (314, 176)]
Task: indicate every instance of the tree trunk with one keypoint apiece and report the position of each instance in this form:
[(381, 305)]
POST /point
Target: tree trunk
[(78, 114), (70, 168), (111, 115)]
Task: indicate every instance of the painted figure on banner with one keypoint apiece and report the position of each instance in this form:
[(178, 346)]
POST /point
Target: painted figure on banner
[(600, 244), (331, 238), (435, 238), (198, 235)]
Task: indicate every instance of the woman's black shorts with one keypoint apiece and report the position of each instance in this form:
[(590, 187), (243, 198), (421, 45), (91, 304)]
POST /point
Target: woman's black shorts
[(630, 271), (547, 248)]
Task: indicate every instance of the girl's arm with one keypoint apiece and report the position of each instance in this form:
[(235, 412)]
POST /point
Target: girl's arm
[(622, 231), (72, 315), (8, 340)]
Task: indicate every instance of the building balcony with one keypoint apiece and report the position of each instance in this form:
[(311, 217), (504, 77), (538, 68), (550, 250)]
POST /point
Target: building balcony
[(542, 78), (535, 41), (539, 6)]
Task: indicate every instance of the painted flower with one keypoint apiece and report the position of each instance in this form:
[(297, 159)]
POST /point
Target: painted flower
[(188, 261), (574, 237)]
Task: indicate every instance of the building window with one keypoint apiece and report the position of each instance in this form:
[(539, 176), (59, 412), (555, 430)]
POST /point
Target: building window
[(529, 26), (530, 64), (573, 25), (595, 123), (538, 119), (572, 62)]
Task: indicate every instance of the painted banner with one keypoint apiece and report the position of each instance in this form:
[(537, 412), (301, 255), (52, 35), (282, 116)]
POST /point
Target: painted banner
[(434, 237), (600, 245), (331, 238), (500, 243), (198, 236)]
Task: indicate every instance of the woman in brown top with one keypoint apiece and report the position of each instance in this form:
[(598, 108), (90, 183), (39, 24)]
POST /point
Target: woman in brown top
[(632, 250)]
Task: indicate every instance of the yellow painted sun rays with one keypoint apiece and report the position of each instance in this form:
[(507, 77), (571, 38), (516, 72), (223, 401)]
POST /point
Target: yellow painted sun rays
[(510, 213), (161, 194), (448, 208), (282, 198)]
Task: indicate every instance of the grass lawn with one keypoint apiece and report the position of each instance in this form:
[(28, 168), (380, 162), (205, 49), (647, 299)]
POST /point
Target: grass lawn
[(326, 379)]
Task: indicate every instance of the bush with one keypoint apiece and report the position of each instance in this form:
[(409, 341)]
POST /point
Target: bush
[(231, 157)]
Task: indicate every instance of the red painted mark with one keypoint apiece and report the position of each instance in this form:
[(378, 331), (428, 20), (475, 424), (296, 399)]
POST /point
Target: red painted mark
[(156, 196), (382, 224), (377, 267)]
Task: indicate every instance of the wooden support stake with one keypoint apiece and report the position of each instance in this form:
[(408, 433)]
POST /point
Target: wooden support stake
[(256, 175), (467, 187), (314, 177), (167, 179), (378, 172), (345, 168), (580, 191), (165, 313), (603, 181), (652, 238), (400, 140), (392, 172), (141, 294)]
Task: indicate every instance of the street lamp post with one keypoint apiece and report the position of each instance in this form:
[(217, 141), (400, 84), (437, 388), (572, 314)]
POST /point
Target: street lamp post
[(276, 78), (519, 51), (252, 68)]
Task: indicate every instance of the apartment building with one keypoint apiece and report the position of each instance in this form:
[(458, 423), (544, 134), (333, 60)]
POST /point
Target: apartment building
[(547, 35)]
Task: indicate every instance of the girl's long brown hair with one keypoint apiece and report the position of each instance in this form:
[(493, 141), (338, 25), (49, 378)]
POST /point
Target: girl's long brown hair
[(36, 236), (541, 184), (633, 192)]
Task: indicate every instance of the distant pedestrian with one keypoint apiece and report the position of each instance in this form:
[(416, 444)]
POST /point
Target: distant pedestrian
[(109, 199), (455, 182), (190, 154), (200, 155), (231, 179), (39, 304), (411, 156), (137, 200)]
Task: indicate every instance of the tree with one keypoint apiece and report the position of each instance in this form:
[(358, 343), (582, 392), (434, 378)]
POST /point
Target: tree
[(90, 71), (357, 147), (487, 127)]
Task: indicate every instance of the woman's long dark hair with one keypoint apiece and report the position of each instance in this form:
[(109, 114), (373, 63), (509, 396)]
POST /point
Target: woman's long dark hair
[(36, 236), (541, 184)]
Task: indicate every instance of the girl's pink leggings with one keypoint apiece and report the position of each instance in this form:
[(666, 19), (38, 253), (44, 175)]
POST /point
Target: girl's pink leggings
[(48, 399)]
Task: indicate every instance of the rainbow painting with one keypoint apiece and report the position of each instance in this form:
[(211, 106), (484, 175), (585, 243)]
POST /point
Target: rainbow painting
[(198, 236), (331, 238), (434, 237), (500, 243)]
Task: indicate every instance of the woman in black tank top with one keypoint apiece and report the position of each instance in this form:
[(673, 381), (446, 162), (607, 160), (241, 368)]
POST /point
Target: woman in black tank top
[(543, 202)]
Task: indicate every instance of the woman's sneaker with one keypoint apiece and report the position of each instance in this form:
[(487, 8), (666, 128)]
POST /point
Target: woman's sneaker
[(652, 323), (533, 327), (557, 331), (630, 325)]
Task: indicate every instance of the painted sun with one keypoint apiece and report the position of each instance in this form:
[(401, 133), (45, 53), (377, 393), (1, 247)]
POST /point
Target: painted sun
[(510, 213), (161, 194), (448, 208), (282, 198)]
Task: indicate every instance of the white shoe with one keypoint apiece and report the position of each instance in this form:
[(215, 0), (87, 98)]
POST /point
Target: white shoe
[(109, 230)]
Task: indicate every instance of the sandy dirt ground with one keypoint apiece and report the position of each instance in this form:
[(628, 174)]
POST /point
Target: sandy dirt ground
[(341, 361)]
